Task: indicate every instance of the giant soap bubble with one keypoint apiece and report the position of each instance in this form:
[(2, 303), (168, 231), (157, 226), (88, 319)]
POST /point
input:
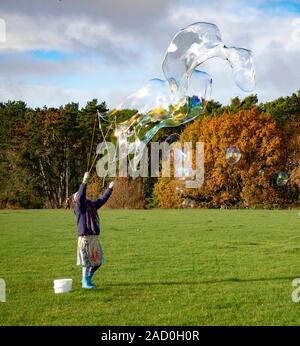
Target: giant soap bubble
[(196, 44), (184, 93), (156, 107)]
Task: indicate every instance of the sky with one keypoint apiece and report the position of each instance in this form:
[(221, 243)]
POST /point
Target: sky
[(57, 51)]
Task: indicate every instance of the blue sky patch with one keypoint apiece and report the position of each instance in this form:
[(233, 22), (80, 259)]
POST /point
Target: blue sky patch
[(54, 55)]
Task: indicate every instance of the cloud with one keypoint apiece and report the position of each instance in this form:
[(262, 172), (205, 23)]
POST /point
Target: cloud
[(279, 69), (28, 65), (125, 13), (44, 94), (63, 34), (268, 35), (115, 46)]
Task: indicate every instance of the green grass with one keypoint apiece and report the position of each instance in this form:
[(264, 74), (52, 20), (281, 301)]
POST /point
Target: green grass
[(164, 267)]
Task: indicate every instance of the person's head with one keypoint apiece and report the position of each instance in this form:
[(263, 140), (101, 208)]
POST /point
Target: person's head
[(75, 197)]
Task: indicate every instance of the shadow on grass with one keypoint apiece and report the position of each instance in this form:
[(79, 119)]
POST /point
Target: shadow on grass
[(207, 282)]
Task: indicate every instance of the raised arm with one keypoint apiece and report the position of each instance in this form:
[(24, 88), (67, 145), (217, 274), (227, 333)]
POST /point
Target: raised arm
[(82, 194), (105, 197), (81, 198)]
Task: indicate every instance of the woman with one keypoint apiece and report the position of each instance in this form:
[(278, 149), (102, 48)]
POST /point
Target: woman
[(89, 250)]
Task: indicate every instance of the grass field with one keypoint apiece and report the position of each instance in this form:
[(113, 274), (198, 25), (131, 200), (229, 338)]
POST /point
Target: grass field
[(164, 267)]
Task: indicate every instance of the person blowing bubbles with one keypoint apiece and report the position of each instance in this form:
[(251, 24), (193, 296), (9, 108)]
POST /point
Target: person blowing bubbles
[(89, 250)]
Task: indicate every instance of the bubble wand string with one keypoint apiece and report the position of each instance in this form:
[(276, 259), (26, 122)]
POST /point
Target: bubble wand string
[(91, 147), (104, 138)]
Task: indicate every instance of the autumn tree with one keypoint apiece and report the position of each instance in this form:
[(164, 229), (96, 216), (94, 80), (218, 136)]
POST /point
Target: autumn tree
[(251, 181)]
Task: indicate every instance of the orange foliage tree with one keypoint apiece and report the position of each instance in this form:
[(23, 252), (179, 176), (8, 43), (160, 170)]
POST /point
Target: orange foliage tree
[(291, 150), (249, 182), (128, 193), (166, 193)]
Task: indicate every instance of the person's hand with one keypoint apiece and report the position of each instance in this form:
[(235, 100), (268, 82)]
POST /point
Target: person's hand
[(86, 177), (111, 185)]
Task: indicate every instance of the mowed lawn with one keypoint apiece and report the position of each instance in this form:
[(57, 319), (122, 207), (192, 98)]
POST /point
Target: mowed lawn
[(164, 267)]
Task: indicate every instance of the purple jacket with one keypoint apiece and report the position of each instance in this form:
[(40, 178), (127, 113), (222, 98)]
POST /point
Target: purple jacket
[(80, 210)]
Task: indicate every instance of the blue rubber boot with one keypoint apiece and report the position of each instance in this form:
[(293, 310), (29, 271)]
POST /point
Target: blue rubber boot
[(89, 280), (86, 279), (92, 272)]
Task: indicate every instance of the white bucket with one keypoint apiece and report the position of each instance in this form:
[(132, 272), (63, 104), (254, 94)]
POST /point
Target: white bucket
[(62, 285)]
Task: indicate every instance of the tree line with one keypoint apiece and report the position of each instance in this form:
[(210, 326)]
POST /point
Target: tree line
[(44, 153)]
